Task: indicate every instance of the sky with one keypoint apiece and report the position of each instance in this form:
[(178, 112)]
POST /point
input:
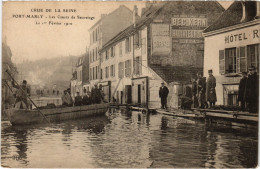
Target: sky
[(37, 38)]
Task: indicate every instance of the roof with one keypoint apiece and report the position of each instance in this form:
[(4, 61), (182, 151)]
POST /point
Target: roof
[(175, 73), (232, 16), (151, 13), (106, 15)]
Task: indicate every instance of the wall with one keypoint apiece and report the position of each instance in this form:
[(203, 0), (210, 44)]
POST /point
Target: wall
[(184, 54), (217, 42)]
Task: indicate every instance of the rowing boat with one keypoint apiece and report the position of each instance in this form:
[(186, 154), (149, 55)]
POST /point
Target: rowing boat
[(23, 116)]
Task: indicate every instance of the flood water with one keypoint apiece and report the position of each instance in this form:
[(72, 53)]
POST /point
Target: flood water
[(128, 139)]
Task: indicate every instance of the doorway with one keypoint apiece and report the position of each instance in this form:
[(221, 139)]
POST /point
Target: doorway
[(139, 94)]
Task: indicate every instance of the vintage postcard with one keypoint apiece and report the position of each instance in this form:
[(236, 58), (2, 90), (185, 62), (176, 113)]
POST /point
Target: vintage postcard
[(130, 84)]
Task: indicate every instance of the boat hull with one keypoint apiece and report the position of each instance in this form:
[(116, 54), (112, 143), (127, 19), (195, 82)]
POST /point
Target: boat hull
[(22, 116)]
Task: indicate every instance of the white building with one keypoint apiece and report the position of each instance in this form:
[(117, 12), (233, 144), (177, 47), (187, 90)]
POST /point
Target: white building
[(232, 45), (103, 30)]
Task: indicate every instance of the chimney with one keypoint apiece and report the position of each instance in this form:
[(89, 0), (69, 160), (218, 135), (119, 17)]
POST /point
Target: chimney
[(257, 10), (135, 14)]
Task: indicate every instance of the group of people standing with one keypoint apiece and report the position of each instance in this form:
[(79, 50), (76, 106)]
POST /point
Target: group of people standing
[(248, 91), (96, 96), (204, 91)]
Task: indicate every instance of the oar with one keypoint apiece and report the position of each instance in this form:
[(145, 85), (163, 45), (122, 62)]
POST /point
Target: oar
[(28, 97)]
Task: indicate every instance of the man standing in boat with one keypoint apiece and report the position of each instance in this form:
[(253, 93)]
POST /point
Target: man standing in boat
[(78, 100), (21, 95), (96, 95), (163, 94)]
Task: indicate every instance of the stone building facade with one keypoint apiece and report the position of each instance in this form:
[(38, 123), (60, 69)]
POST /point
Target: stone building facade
[(165, 44)]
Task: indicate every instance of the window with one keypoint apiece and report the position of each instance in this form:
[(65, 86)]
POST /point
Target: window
[(144, 45), (128, 44), (137, 64), (120, 49), (90, 74), (128, 68), (112, 52), (112, 70), (96, 34), (107, 72), (121, 70), (242, 61), (93, 38), (231, 58), (101, 73), (236, 60), (107, 56), (137, 39), (96, 53), (96, 72), (92, 58), (101, 57), (253, 55)]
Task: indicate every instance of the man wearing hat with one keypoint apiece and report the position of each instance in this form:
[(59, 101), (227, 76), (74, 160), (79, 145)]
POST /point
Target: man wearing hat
[(78, 100), (252, 89), (242, 90), (210, 89), (21, 94), (96, 95), (163, 94)]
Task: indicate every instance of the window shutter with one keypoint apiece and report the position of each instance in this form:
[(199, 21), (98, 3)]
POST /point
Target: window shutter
[(237, 60), (129, 44), (134, 65), (140, 65), (130, 68), (248, 58), (221, 62), (242, 59), (226, 55)]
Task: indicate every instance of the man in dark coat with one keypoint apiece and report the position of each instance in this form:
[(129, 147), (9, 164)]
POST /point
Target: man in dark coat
[(210, 89), (78, 100), (201, 82), (194, 88), (242, 90), (96, 95), (163, 94), (86, 100), (252, 89)]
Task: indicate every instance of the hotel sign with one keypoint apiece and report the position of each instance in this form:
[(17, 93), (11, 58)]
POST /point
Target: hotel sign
[(161, 40), (188, 27)]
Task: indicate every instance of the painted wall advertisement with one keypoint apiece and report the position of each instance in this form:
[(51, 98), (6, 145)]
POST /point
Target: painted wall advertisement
[(161, 40), (188, 28)]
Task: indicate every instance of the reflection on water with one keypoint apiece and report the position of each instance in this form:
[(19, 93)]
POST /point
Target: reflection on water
[(128, 139)]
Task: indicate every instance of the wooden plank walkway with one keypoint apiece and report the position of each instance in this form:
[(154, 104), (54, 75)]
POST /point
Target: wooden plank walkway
[(233, 116)]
